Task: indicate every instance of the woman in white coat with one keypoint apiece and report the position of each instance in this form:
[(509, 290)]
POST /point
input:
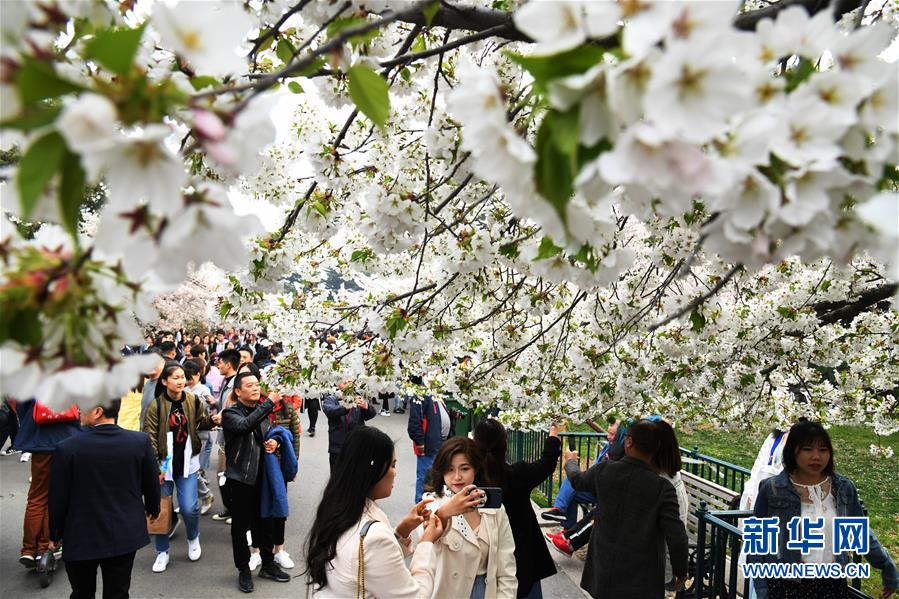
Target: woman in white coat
[(476, 555), (365, 473)]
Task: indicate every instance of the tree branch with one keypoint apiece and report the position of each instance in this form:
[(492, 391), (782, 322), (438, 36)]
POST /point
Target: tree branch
[(472, 18), (831, 312), (699, 300)]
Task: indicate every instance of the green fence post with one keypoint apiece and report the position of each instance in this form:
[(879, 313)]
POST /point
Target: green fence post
[(700, 550)]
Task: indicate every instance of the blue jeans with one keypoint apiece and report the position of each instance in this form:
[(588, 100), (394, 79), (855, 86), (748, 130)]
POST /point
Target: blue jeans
[(422, 465), (567, 500), (205, 450), (479, 590), (190, 508)]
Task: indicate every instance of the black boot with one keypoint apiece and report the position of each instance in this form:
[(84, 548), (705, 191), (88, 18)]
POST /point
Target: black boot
[(273, 571), (245, 581)]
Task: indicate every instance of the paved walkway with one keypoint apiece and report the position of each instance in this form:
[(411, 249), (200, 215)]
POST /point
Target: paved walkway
[(214, 576)]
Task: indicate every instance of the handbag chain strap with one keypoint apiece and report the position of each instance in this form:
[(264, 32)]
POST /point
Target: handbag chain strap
[(360, 573)]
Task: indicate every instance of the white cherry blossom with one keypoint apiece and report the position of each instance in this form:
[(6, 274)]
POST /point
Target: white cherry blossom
[(204, 33)]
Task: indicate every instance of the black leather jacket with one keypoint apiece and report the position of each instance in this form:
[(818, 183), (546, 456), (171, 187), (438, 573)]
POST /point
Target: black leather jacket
[(245, 429)]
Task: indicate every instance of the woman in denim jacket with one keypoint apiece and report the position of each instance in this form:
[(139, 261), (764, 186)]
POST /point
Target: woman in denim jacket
[(809, 487)]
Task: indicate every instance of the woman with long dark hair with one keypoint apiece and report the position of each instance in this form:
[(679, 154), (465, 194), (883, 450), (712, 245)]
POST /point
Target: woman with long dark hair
[(172, 421), (349, 524), (667, 462), (532, 560), (809, 487)]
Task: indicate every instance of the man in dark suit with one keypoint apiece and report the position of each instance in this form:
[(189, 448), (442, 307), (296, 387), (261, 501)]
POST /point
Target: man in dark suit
[(637, 516), (103, 484)]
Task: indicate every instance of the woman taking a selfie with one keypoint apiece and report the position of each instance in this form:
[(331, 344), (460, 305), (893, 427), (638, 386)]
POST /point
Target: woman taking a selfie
[(475, 557), (349, 524), (809, 487)]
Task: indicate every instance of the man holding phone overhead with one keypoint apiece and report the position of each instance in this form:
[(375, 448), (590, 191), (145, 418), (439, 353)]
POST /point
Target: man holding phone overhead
[(343, 417)]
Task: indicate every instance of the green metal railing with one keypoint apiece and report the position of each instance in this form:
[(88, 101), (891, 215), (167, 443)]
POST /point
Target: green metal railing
[(712, 469), (528, 446), (719, 537)]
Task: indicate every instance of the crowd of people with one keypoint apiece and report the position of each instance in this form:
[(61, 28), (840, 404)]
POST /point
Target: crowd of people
[(99, 490)]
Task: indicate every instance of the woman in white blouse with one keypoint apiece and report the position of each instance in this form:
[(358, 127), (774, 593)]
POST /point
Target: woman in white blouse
[(365, 473), (476, 555)]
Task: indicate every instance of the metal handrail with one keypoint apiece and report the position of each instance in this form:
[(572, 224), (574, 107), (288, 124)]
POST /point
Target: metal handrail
[(528, 446)]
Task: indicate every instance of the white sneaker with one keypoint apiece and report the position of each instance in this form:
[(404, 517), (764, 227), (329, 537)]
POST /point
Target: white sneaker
[(26, 457), (193, 549), (385, 412), (282, 558), (255, 560), (162, 561)]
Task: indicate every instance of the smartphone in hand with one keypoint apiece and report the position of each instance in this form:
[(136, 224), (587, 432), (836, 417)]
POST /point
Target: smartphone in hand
[(493, 497)]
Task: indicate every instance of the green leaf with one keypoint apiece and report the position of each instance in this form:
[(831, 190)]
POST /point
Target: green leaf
[(787, 312), (115, 49), (361, 255), (585, 155), (316, 65), (36, 169), (369, 92), (339, 25), (295, 87), (890, 178), (268, 41), (225, 310), (430, 11), (320, 208), (554, 170), (420, 44), (201, 81), (33, 117), (803, 71), (71, 192), (285, 50), (344, 23), (547, 249), (697, 320), (509, 250), (565, 131), (37, 80), (22, 325), (546, 68), (395, 324)]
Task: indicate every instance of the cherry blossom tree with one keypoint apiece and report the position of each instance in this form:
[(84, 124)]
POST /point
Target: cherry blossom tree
[(553, 208), (193, 304)]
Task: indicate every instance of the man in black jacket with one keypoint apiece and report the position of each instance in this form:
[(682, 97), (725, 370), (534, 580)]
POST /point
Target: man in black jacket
[(637, 515), (102, 486), (245, 425)]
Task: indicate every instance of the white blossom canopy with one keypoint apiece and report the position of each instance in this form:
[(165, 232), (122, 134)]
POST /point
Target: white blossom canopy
[(550, 208)]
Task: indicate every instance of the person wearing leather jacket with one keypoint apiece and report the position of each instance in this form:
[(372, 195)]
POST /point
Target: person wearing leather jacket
[(245, 425)]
